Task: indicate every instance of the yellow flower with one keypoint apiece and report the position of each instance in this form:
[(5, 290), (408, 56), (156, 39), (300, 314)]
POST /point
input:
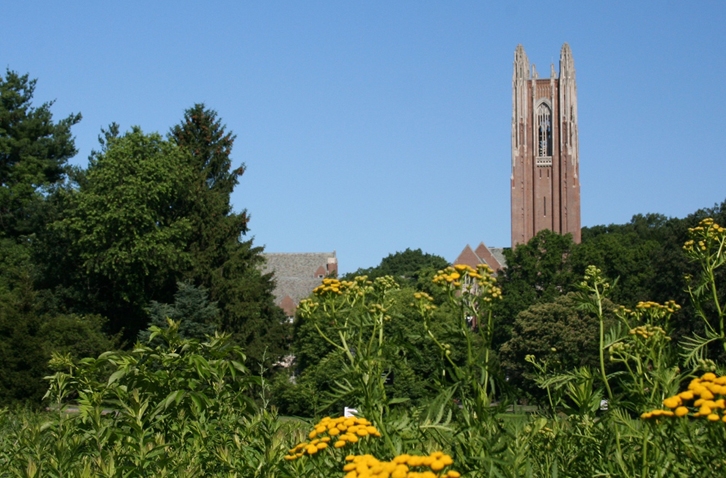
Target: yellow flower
[(672, 402), (369, 466), (687, 395), (681, 411)]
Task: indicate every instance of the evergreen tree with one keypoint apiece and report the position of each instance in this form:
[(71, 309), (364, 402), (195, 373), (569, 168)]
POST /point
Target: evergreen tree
[(196, 316), (33, 152), (221, 262)]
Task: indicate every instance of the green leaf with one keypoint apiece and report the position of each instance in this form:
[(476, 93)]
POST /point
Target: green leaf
[(116, 376)]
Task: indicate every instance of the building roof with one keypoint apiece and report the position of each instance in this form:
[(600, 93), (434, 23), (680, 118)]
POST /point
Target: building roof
[(493, 257), (296, 274)]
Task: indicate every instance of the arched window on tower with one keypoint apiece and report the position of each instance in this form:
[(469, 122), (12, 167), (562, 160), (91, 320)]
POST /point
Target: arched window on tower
[(544, 130)]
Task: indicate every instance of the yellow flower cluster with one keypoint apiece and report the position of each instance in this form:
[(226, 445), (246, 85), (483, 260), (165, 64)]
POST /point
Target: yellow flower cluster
[(707, 230), (647, 331), (425, 301), (669, 306), (431, 466), (703, 392), (469, 279), (332, 286), (449, 275), (340, 431)]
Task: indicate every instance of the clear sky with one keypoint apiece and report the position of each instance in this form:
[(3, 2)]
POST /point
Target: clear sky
[(369, 127)]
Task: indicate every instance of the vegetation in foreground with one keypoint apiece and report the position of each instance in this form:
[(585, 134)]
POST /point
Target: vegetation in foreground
[(181, 407)]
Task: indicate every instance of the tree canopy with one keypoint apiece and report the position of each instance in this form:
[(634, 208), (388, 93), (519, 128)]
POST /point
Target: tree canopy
[(406, 267), (33, 152)]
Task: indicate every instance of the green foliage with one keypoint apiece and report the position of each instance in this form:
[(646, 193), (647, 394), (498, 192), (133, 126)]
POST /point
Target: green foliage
[(471, 293), (33, 153), (148, 213), (406, 356), (557, 335), (175, 409), (226, 266), (181, 407), (537, 272), (28, 334), (121, 238), (406, 267), (707, 248), (196, 316), (626, 252)]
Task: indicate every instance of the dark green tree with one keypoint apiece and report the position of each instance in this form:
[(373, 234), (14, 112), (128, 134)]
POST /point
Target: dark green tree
[(33, 153), (631, 252), (557, 334), (196, 317), (221, 261), (120, 238), (407, 267), (34, 150), (536, 272), (214, 226), (29, 333)]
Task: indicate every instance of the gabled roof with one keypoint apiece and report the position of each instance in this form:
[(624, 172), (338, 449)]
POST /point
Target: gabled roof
[(493, 257), (468, 257)]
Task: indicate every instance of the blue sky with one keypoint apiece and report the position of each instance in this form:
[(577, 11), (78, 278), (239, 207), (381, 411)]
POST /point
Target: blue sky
[(370, 127)]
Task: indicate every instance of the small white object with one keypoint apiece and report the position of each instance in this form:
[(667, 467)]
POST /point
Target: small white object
[(349, 412), (603, 404)]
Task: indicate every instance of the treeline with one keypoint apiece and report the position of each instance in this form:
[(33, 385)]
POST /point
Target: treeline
[(538, 315), (89, 257)]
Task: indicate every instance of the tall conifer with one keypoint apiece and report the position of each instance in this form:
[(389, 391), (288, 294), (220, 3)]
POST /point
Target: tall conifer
[(222, 262)]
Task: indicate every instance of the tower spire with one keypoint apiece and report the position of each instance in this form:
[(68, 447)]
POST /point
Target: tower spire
[(521, 64), (567, 64)]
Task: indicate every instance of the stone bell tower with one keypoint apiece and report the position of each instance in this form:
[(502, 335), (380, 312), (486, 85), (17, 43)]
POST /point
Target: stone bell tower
[(545, 159)]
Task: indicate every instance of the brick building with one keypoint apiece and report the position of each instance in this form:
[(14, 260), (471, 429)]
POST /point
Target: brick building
[(491, 256), (545, 158)]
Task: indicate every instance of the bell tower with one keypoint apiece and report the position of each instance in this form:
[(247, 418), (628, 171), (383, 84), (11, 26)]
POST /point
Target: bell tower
[(545, 158)]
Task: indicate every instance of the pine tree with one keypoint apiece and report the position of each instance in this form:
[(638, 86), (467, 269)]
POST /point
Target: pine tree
[(196, 316), (222, 263), (33, 152)]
